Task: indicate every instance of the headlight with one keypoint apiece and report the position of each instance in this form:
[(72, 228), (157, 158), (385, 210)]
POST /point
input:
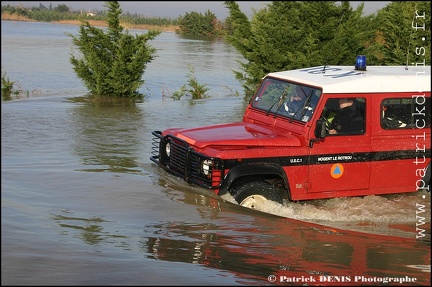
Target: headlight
[(206, 167), (168, 149)]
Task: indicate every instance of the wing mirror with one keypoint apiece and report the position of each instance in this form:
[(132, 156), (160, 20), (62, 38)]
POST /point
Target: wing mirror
[(320, 129)]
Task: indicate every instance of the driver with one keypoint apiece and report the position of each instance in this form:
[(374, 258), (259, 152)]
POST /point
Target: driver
[(297, 102)]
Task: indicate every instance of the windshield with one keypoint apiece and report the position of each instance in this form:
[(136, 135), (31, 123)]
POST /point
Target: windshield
[(282, 98)]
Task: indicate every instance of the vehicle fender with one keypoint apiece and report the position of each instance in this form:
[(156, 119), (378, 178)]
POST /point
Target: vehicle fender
[(259, 170)]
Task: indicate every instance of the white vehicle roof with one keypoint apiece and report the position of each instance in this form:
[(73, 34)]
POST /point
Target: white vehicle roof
[(375, 79)]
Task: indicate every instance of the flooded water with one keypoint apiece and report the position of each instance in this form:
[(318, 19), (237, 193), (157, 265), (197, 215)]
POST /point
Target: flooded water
[(82, 204)]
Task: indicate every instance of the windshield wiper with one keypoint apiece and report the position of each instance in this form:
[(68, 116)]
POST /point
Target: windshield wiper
[(302, 108), (278, 101)]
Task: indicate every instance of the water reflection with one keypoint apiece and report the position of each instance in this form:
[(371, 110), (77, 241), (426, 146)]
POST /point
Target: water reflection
[(285, 247), (106, 134), (254, 245), (90, 230)]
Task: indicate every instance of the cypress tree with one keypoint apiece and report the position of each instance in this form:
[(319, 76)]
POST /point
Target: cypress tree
[(295, 34), (403, 34), (112, 62)]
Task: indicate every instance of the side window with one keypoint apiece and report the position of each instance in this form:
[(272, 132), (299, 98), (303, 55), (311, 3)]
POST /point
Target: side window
[(345, 116), (405, 113)]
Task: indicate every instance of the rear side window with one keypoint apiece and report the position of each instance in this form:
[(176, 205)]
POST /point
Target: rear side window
[(406, 113)]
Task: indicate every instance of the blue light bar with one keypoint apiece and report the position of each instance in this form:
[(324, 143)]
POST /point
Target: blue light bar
[(360, 63)]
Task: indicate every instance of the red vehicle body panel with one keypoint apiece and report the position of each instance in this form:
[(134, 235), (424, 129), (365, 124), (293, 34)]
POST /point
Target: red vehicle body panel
[(379, 160)]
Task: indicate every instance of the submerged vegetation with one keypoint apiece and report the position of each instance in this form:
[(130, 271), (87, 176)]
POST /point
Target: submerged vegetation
[(193, 88), (10, 89)]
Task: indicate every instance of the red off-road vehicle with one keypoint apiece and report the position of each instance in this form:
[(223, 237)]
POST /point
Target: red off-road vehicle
[(279, 152)]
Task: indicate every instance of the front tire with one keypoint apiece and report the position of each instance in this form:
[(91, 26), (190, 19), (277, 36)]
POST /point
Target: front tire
[(257, 193)]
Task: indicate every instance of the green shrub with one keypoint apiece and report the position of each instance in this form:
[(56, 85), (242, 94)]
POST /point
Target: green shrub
[(112, 62), (8, 88), (195, 90)]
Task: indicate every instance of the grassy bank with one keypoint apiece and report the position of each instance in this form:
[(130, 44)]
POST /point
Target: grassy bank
[(128, 26)]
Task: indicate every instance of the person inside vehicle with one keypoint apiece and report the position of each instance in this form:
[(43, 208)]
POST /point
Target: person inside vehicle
[(296, 106), (296, 101), (347, 119)]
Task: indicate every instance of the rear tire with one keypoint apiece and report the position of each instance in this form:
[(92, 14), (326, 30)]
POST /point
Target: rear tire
[(256, 193)]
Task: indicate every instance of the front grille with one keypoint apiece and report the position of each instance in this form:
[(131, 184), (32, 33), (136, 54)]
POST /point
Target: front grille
[(179, 157), (185, 162)]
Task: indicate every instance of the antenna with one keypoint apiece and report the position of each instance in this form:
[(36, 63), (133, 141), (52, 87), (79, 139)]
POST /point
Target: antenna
[(409, 42)]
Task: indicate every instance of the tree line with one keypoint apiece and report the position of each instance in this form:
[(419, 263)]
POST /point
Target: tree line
[(296, 34), (63, 12), (283, 36), (189, 24)]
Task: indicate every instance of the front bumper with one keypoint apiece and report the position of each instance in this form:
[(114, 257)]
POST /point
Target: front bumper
[(185, 162)]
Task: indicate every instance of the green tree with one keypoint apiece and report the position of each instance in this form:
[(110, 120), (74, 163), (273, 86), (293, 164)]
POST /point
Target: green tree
[(112, 63), (62, 8), (403, 34), (295, 34), (197, 24)]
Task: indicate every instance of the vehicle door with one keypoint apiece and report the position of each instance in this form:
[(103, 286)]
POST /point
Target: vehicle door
[(340, 162)]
